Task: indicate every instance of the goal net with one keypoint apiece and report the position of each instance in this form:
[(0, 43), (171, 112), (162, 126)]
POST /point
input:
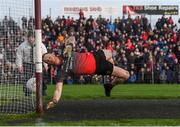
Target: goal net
[(16, 24)]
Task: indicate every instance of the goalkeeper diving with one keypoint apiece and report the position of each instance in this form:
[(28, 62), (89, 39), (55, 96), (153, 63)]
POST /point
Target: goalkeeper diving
[(71, 63)]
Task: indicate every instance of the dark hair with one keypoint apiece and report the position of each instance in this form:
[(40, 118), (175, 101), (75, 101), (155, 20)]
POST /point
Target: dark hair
[(31, 34)]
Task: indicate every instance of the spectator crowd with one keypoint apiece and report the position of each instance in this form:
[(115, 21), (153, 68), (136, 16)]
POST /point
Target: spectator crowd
[(150, 54)]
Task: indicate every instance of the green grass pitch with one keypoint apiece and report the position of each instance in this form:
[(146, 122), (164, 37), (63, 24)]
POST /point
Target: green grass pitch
[(89, 92)]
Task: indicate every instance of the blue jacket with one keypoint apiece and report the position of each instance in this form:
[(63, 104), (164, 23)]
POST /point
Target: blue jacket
[(132, 78)]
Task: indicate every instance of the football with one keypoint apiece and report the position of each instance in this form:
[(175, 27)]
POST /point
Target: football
[(31, 84)]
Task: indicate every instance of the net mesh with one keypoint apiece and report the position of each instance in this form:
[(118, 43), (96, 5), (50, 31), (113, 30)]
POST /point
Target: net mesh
[(16, 21)]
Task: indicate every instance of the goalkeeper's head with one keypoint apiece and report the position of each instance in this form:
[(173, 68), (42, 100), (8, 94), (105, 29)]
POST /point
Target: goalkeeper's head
[(51, 59)]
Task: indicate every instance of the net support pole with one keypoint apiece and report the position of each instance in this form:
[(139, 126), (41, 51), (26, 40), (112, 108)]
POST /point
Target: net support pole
[(38, 60)]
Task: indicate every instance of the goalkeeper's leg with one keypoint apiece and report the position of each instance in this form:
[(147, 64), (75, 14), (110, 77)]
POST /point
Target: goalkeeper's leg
[(110, 82)]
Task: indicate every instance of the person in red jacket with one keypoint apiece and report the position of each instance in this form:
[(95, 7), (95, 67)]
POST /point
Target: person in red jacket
[(81, 14), (88, 63)]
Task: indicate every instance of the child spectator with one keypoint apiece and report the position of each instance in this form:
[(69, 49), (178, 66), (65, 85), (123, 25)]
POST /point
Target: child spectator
[(132, 78)]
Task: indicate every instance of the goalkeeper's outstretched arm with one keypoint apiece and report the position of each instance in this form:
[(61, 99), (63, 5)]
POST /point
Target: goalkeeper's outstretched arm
[(57, 95)]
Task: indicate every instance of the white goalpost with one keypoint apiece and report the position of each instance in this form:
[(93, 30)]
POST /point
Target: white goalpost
[(16, 24)]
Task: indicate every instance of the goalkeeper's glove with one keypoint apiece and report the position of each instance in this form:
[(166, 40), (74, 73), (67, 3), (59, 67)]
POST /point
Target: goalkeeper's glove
[(51, 104)]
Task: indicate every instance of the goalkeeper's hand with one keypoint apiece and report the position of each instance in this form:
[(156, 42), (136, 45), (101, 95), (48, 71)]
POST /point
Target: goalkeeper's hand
[(51, 104)]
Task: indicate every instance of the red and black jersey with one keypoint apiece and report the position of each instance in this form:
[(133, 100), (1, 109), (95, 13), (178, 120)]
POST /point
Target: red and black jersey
[(84, 63)]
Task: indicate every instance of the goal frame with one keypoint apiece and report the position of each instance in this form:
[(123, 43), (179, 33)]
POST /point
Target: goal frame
[(38, 56)]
